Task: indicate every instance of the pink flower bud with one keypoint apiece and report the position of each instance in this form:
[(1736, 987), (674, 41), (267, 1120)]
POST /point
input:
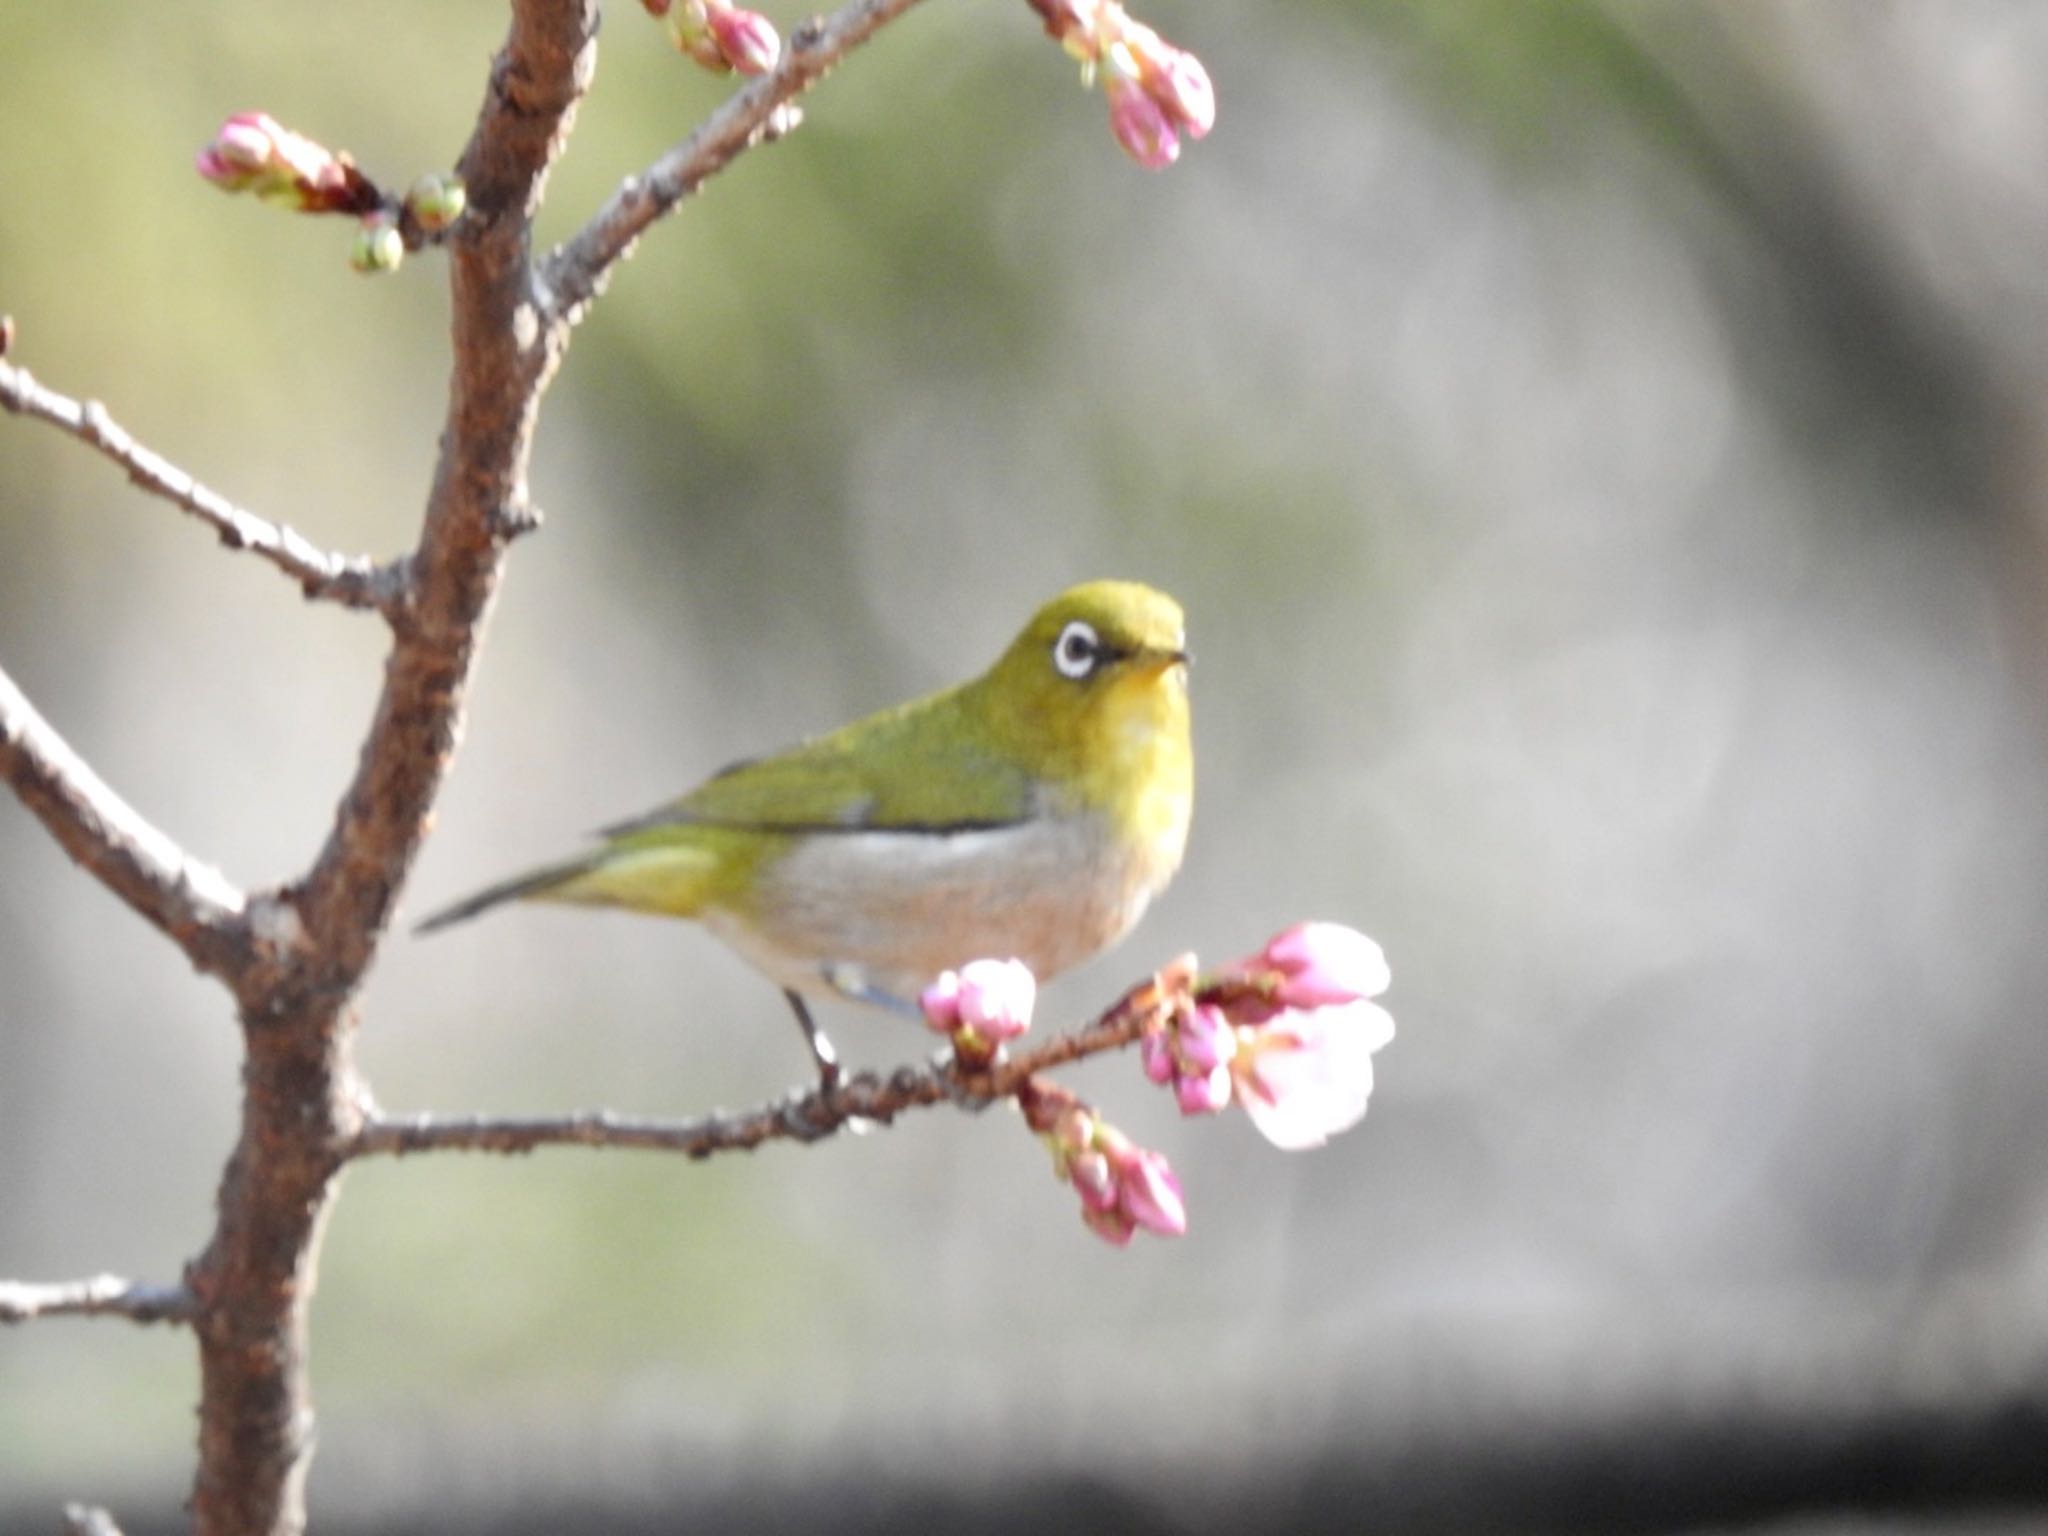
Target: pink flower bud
[(1093, 1181), (1140, 124), (1074, 1132), (940, 1003), (239, 154), (1122, 1186), (1112, 1226), (747, 39), (996, 998), (1180, 84), (1149, 1194), (253, 152), (1203, 1095), (1155, 1055), (1205, 1041)]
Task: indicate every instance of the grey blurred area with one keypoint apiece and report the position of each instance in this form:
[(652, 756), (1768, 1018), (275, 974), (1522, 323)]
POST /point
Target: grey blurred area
[(1601, 451)]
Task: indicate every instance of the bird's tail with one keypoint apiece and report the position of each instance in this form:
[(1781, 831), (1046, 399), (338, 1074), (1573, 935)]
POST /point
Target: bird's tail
[(535, 882), (673, 875)]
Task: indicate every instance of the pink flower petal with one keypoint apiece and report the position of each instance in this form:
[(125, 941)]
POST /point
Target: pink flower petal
[(1205, 1040), (1141, 125), (1324, 963), (1112, 1226), (1308, 1076), (1182, 86), (940, 1003), (1093, 1180), (1204, 1095), (748, 39), (1149, 1193), (1155, 1055)]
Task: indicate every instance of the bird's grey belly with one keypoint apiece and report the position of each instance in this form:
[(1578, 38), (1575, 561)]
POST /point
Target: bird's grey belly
[(892, 909)]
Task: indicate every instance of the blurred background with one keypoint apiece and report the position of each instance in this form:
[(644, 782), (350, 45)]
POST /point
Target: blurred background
[(1601, 451)]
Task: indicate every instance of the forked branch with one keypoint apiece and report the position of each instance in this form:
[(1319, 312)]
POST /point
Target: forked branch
[(192, 902), (350, 580), (573, 274)]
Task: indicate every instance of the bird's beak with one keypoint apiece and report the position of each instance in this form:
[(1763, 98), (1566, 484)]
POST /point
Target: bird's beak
[(1157, 659)]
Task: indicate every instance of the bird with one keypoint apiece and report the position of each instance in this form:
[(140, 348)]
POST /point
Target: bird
[(1030, 813)]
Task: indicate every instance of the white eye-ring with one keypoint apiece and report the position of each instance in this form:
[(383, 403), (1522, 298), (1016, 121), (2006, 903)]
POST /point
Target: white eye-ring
[(1078, 651)]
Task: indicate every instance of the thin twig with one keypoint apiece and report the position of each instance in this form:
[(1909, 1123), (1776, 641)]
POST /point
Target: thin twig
[(100, 1296), (192, 902), (799, 1116), (574, 273), (350, 580), (89, 1520)]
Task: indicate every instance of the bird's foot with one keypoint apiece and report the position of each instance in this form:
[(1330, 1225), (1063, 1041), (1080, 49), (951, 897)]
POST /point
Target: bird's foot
[(799, 1116), (824, 1055)]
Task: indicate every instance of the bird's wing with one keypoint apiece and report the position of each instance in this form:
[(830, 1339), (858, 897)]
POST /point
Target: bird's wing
[(912, 770)]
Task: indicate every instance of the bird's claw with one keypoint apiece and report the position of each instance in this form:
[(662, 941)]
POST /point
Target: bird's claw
[(799, 1116)]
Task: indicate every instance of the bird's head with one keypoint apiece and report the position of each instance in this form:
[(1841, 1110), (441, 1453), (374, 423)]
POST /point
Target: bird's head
[(1094, 691)]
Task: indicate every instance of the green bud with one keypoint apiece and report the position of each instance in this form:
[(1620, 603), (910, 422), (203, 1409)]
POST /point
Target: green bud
[(436, 201), (378, 245)]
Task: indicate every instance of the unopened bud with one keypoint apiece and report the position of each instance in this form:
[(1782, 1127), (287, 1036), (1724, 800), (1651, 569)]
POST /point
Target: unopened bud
[(240, 154), (1093, 1180), (747, 39), (436, 201), (1140, 124), (996, 997), (1150, 1194), (1176, 80), (1112, 1226), (1206, 1040), (378, 245), (1074, 1131), (1204, 1095), (253, 152), (689, 27), (1155, 1055)]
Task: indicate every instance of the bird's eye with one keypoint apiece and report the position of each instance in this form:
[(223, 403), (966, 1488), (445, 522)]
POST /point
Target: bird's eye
[(1077, 651)]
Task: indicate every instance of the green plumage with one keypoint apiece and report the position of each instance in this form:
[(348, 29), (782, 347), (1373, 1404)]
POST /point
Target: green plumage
[(925, 765)]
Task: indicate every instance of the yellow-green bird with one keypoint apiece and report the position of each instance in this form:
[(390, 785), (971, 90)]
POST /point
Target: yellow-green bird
[(1033, 812)]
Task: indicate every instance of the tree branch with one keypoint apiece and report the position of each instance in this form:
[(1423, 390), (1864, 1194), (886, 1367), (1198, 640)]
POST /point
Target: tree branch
[(575, 273), (299, 1103), (191, 902), (100, 1296), (350, 580), (504, 357), (800, 1116)]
